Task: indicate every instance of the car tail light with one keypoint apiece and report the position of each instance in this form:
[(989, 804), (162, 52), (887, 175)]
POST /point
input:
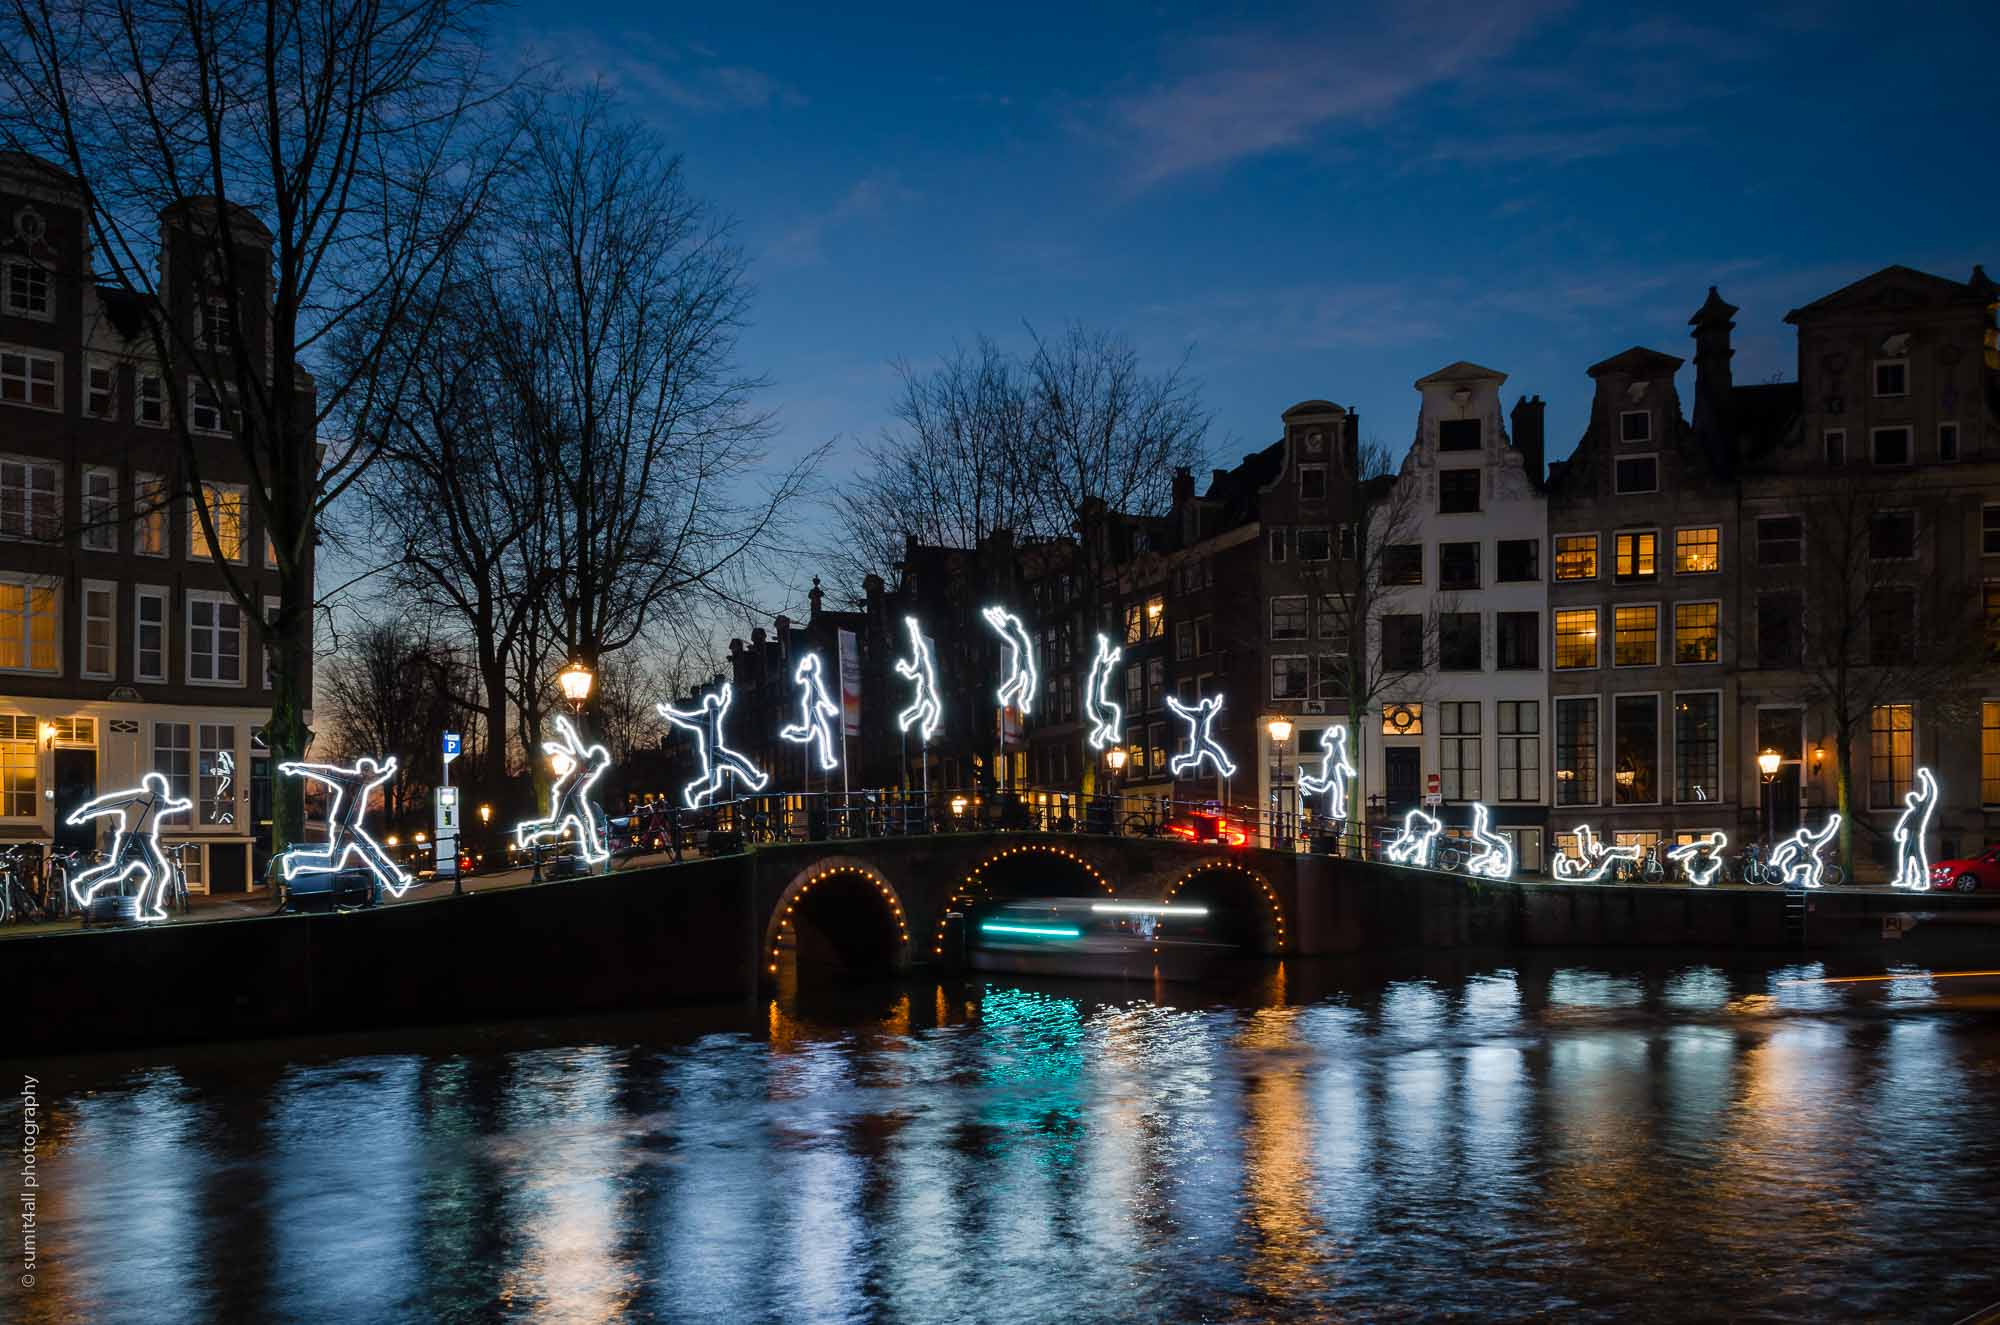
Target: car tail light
[(1182, 831), (1232, 834)]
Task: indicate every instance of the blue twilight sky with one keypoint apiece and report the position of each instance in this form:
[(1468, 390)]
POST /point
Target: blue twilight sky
[(1318, 200)]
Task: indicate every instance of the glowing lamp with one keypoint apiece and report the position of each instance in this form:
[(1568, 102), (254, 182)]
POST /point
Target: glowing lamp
[(1767, 763), (1117, 757), (576, 681), (393, 840), (486, 814), (421, 839), (958, 804), (48, 734), (1280, 728)]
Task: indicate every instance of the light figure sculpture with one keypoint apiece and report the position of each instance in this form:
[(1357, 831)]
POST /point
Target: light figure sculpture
[(1913, 861), (924, 712), (1018, 689), (353, 789), (1495, 857), (135, 844), (1412, 846), (1593, 859), (578, 767), (1107, 719), (1701, 859), (1201, 743), (817, 712), (1797, 857), (717, 760), (1335, 771)]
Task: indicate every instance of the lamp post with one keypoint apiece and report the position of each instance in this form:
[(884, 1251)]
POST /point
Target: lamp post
[(576, 681), (1280, 728), (1115, 758), (1768, 762)]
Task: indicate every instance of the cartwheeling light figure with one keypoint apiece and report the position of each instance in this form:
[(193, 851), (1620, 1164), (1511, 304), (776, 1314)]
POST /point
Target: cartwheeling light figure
[(717, 760), (1913, 862), (1335, 772), (924, 712), (816, 712), (1412, 846), (577, 767), (135, 844), (1593, 859), (1201, 742), (1495, 857), (1797, 857), (353, 789), (1701, 859), (1017, 690), (1107, 719)]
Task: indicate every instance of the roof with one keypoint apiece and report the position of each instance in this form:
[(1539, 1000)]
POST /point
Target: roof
[(1898, 287), (203, 207), (1714, 309), (1462, 371), (1638, 362), (124, 309), (1314, 407), (1236, 489), (26, 163)]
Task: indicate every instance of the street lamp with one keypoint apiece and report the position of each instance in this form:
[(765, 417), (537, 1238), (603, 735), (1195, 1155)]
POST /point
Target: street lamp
[(1280, 728), (1768, 762), (576, 680)]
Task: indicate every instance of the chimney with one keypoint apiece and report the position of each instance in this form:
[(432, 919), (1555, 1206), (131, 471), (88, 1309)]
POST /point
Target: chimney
[(1713, 384), (1183, 486), (873, 587), (1528, 437), (784, 624), (1350, 437), (816, 597), (757, 636)]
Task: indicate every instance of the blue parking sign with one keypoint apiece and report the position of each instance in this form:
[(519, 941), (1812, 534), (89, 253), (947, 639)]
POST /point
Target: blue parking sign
[(451, 743)]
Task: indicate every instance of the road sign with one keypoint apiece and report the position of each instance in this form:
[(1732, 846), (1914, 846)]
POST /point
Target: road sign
[(452, 746), (1434, 785)]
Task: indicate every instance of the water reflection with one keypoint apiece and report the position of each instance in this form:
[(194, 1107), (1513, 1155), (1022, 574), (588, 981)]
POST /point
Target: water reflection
[(1582, 1140)]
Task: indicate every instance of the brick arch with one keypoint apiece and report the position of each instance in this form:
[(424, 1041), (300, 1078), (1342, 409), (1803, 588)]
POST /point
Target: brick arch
[(1275, 927), (802, 883), (973, 886)]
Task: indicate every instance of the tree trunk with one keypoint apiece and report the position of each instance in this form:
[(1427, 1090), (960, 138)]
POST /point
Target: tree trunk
[(493, 678), (1844, 782)]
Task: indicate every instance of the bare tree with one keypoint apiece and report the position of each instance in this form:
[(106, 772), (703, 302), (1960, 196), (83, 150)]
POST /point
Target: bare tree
[(392, 690)]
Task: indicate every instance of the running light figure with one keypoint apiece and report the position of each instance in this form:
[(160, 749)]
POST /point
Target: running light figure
[(578, 767), (1020, 682), (1413, 845), (1495, 857), (1201, 744), (1335, 772), (135, 844), (1593, 859), (715, 757), (1797, 857), (1913, 862), (1107, 719), (816, 712), (924, 712), (353, 789), (1701, 859)]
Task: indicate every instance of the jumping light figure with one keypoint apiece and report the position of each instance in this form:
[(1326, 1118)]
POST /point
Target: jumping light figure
[(1592, 858), (816, 712), (1797, 857), (1201, 743), (1913, 862), (135, 844), (1495, 857), (1701, 858), (578, 767), (1020, 682), (715, 757), (1335, 772), (353, 789), (924, 712), (1413, 845), (1107, 719)]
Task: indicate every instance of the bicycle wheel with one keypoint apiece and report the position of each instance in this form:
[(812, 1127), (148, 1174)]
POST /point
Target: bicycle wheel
[(1138, 825), (1448, 859), (1833, 876)]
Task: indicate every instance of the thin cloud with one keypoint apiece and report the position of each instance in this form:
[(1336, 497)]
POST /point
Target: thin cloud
[(874, 195), (690, 77)]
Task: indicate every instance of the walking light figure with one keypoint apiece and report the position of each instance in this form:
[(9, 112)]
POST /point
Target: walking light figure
[(1495, 857), (717, 760), (1201, 743), (924, 711), (1335, 772), (578, 766), (353, 789), (816, 712), (1797, 857), (1592, 858), (1107, 719), (1412, 846), (1018, 690), (1701, 859), (135, 844), (1913, 862)]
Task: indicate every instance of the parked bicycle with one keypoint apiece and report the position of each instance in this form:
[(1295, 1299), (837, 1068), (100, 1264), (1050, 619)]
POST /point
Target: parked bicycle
[(177, 898)]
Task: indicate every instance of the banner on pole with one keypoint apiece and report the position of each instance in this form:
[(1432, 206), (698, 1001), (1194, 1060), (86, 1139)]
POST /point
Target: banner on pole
[(850, 683)]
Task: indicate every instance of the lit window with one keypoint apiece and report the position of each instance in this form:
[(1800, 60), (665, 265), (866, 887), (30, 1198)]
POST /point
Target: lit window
[(1698, 551), (1635, 745), (19, 766), (30, 627), (225, 508), (1697, 632), (28, 378), (219, 784), (1636, 636), (1576, 638), (1402, 719), (1576, 556), (1989, 752), (1637, 556), (1156, 611), (149, 515), (1892, 743)]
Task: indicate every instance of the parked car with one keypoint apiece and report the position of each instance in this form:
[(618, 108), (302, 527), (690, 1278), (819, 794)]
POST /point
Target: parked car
[(1969, 874), (1195, 826)]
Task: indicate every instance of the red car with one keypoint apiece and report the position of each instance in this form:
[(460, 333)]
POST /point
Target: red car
[(1968, 875), (1208, 828)]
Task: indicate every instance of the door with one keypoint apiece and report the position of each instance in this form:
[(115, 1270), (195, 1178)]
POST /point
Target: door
[(1783, 730), (75, 779), (1402, 776)]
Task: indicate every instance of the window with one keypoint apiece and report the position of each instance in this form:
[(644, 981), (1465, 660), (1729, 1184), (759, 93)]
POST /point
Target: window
[(1636, 556), (1157, 761), (1347, 545), (1635, 425), (1698, 746), (1892, 377), (30, 505), (1402, 719), (1698, 550), (1892, 535), (1315, 545), (219, 783), (30, 378), (1892, 746), (1277, 544), (1458, 435), (1635, 635), (1135, 689), (1135, 622), (1576, 637), (173, 755), (1781, 540), (1989, 752), (30, 625), (1989, 531), (1403, 642), (1890, 446), (225, 509), (1697, 632), (1576, 751), (99, 628), (1458, 642), (1576, 556), (100, 390), (1312, 483), (1403, 563), (1836, 447), (1892, 624), (100, 510), (20, 762), (1948, 442), (1517, 641), (28, 290), (1520, 749), (215, 640), (270, 629), (1639, 473), (205, 411), (1332, 676), (1517, 559), (1458, 565), (1156, 684), (1183, 640), (149, 515), (1204, 635), (1458, 751), (1990, 600), (1290, 677), (152, 408), (149, 634), (1288, 616), (1780, 628), (1458, 491), (1332, 620), (1635, 744), (215, 325), (1156, 617)]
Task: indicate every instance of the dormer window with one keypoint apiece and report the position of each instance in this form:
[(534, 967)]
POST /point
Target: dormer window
[(1312, 483), (215, 326), (27, 290), (1458, 435), (1635, 425), (1892, 377)]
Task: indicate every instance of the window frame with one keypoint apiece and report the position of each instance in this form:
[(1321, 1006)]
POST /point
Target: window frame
[(1697, 528), (1916, 533), (1989, 537), (1895, 796), (1478, 431), (1949, 426), (83, 669), (1989, 727), (1652, 606), (1304, 662), (190, 599), (1556, 748), (1556, 615), (92, 365), (197, 550), (102, 526), (1721, 748), (164, 596), (1618, 464), (1477, 489), (1533, 634), (1625, 437), (1275, 545), (53, 587), (1659, 737), (1453, 741), (1478, 641), (1318, 471), (1522, 768), (1716, 661), (1299, 543), (142, 398), (35, 352), (1829, 439), (1478, 571), (1556, 555), (48, 310), (1271, 616), (1534, 546), (1875, 377), (1909, 446), (1800, 540), (1636, 533)]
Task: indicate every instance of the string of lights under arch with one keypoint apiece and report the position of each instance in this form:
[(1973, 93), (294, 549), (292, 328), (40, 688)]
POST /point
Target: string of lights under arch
[(1263, 886), (801, 886)]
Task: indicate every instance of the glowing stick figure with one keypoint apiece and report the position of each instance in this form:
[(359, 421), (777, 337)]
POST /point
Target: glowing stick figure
[(1592, 858), (1413, 845), (1335, 772), (1797, 857), (1201, 744), (924, 711), (225, 772), (1701, 858), (716, 758), (1913, 862), (135, 844), (1020, 682), (353, 789), (1106, 717), (578, 766), (816, 712), (1495, 857)]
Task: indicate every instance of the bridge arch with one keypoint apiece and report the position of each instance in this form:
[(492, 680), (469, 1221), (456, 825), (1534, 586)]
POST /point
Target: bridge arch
[(976, 888), (816, 910), (1262, 910)]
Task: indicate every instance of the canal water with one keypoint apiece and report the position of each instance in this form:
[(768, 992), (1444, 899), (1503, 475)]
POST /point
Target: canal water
[(1455, 1139)]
